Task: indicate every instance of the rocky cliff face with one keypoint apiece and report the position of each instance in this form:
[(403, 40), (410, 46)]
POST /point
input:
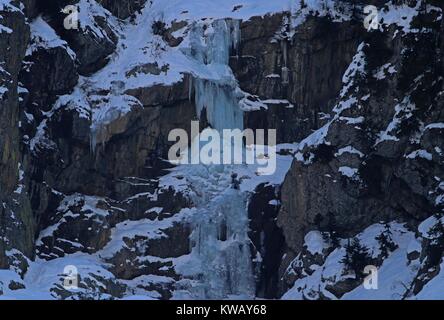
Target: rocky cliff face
[(17, 225), (371, 161), (86, 115)]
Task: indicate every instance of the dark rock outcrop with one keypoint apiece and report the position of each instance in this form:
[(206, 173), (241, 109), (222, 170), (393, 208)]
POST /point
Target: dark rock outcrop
[(267, 239), (48, 73)]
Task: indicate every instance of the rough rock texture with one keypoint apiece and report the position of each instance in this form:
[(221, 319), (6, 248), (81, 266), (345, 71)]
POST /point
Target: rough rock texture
[(316, 56), (267, 239), (31, 9), (49, 73), (17, 225), (387, 117)]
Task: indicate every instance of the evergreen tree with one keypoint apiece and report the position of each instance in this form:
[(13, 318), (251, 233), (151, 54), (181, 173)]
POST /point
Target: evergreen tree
[(356, 257), (347, 261), (334, 239), (332, 227), (331, 238), (386, 243), (436, 246)]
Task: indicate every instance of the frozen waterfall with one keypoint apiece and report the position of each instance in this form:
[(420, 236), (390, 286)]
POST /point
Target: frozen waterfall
[(219, 239), (220, 242)]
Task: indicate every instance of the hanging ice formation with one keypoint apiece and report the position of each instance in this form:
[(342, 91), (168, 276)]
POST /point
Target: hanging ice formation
[(215, 87), (285, 70)]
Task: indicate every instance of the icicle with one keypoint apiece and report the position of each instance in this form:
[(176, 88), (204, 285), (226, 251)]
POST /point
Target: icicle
[(284, 51), (285, 73), (190, 87), (285, 76), (235, 35), (218, 96), (98, 134), (93, 142), (221, 104)]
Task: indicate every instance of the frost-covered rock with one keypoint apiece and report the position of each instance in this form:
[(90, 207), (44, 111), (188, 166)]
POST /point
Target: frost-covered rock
[(49, 67), (385, 118)]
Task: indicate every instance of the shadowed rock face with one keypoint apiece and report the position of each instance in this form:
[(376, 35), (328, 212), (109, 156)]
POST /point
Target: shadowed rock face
[(316, 56), (50, 73), (16, 227), (123, 9), (133, 145), (267, 239), (31, 8), (93, 41), (391, 182)]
